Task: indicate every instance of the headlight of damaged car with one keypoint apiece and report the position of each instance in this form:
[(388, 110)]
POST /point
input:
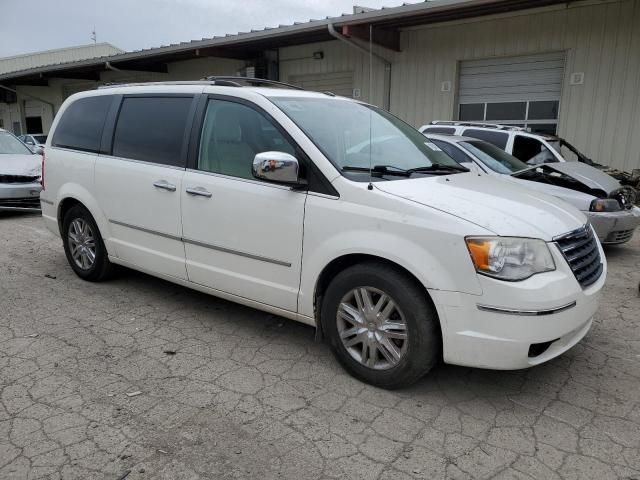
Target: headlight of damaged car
[(510, 258), (605, 205)]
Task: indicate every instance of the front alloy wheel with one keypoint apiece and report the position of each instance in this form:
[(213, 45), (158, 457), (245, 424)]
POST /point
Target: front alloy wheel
[(381, 323), (372, 328)]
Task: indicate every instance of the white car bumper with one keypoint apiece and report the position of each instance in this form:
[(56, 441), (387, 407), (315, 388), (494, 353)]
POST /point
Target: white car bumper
[(615, 227), (515, 325)]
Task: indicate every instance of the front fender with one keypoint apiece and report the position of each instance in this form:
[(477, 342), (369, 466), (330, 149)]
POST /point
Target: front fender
[(432, 250)]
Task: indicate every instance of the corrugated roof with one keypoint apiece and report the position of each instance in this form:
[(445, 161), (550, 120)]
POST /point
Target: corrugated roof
[(392, 17), (56, 56)]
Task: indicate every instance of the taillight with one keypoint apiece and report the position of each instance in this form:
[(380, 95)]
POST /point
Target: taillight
[(42, 173)]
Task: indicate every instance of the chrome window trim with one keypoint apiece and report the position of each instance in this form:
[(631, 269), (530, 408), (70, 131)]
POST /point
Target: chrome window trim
[(142, 162), (246, 180), (530, 313), (203, 244)]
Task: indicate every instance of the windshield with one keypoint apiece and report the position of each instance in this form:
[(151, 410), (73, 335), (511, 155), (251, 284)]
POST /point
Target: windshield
[(353, 135), (493, 157), (11, 145)]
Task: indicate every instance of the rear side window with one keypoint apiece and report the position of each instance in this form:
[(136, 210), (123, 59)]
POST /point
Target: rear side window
[(80, 127), (499, 139), (454, 152), (444, 130), (152, 129)]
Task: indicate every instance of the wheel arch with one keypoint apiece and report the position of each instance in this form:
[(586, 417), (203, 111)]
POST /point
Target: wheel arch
[(73, 194), (345, 261)]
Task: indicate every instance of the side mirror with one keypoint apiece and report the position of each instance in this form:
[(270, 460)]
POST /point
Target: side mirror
[(277, 167), (38, 150)]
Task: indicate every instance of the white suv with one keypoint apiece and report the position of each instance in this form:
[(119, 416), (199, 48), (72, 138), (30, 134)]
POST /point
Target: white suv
[(326, 211)]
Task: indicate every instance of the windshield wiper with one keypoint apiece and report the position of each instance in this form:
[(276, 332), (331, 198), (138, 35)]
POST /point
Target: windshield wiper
[(393, 170), (379, 169), (438, 168)]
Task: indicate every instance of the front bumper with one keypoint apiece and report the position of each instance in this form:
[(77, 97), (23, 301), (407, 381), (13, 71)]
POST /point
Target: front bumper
[(615, 227), (20, 196), (515, 325)]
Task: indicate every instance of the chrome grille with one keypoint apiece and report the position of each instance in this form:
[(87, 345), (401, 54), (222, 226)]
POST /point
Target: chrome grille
[(580, 250)]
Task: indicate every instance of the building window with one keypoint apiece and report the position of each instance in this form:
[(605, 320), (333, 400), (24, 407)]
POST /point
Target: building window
[(537, 116)]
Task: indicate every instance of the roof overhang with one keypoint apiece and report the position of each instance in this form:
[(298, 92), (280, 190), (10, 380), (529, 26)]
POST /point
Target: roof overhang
[(386, 23)]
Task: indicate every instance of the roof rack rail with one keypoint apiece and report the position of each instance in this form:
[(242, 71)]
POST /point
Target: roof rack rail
[(476, 124), (211, 80), (231, 81)]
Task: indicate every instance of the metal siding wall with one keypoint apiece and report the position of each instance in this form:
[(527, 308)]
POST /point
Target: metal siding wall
[(338, 57), (601, 39)]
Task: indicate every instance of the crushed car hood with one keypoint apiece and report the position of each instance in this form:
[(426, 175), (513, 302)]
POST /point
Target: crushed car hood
[(589, 176), (24, 165), (502, 207)]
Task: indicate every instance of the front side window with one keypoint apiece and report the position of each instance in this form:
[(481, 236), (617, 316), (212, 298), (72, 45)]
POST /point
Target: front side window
[(499, 139), (232, 135), (355, 136), (152, 129), (11, 145), (493, 157), (80, 127), (531, 150)]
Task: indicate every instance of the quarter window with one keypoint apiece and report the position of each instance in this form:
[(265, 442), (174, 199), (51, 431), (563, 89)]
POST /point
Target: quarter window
[(80, 127), (232, 135), (152, 129), (443, 130)]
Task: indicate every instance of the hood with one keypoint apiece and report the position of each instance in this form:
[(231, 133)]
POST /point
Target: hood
[(500, 206), (26, 165), (587, 175), (582, 201)]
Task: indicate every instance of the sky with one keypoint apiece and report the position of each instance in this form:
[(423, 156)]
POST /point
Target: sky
[(34, 25)]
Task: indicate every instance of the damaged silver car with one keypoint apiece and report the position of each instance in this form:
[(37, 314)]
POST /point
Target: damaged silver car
[(20, 175), (608, 204)]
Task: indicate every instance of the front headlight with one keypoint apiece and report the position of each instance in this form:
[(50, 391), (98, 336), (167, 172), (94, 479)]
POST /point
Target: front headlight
[(510, 258), (605, 205)]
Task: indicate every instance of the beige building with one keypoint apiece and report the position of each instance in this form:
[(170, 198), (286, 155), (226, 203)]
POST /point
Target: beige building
[(572, 68)]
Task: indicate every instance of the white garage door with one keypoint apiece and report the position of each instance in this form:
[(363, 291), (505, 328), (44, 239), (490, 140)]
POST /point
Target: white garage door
[(523, 91), (340, 83)]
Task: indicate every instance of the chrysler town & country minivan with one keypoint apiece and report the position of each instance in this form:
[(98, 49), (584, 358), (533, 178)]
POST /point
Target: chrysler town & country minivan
[(289, 202)]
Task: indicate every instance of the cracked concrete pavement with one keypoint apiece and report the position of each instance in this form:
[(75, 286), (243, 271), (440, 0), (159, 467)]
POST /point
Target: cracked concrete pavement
[(231, 392)]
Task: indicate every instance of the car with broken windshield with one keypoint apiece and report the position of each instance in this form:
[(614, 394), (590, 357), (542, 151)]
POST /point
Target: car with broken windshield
[(608, 206), (326, 211)]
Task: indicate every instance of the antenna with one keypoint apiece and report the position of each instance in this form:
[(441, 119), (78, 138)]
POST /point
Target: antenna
[(94, 37), (370, 186)]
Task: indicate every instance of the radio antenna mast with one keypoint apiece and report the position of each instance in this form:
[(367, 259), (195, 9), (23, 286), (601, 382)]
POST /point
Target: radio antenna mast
[(370, 186)]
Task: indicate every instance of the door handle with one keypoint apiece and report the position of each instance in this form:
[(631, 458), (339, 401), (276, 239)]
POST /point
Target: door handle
[(164, 185), (198, 191)]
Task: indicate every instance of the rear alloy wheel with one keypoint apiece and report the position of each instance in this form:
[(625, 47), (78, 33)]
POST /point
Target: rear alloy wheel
[(83, 245), (382, 325)]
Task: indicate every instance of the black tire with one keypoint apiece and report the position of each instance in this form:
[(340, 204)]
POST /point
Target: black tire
[(423, 338), (101, 268)]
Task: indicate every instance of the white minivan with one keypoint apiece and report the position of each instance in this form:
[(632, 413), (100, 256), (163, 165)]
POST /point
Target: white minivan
[(323, 210)]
